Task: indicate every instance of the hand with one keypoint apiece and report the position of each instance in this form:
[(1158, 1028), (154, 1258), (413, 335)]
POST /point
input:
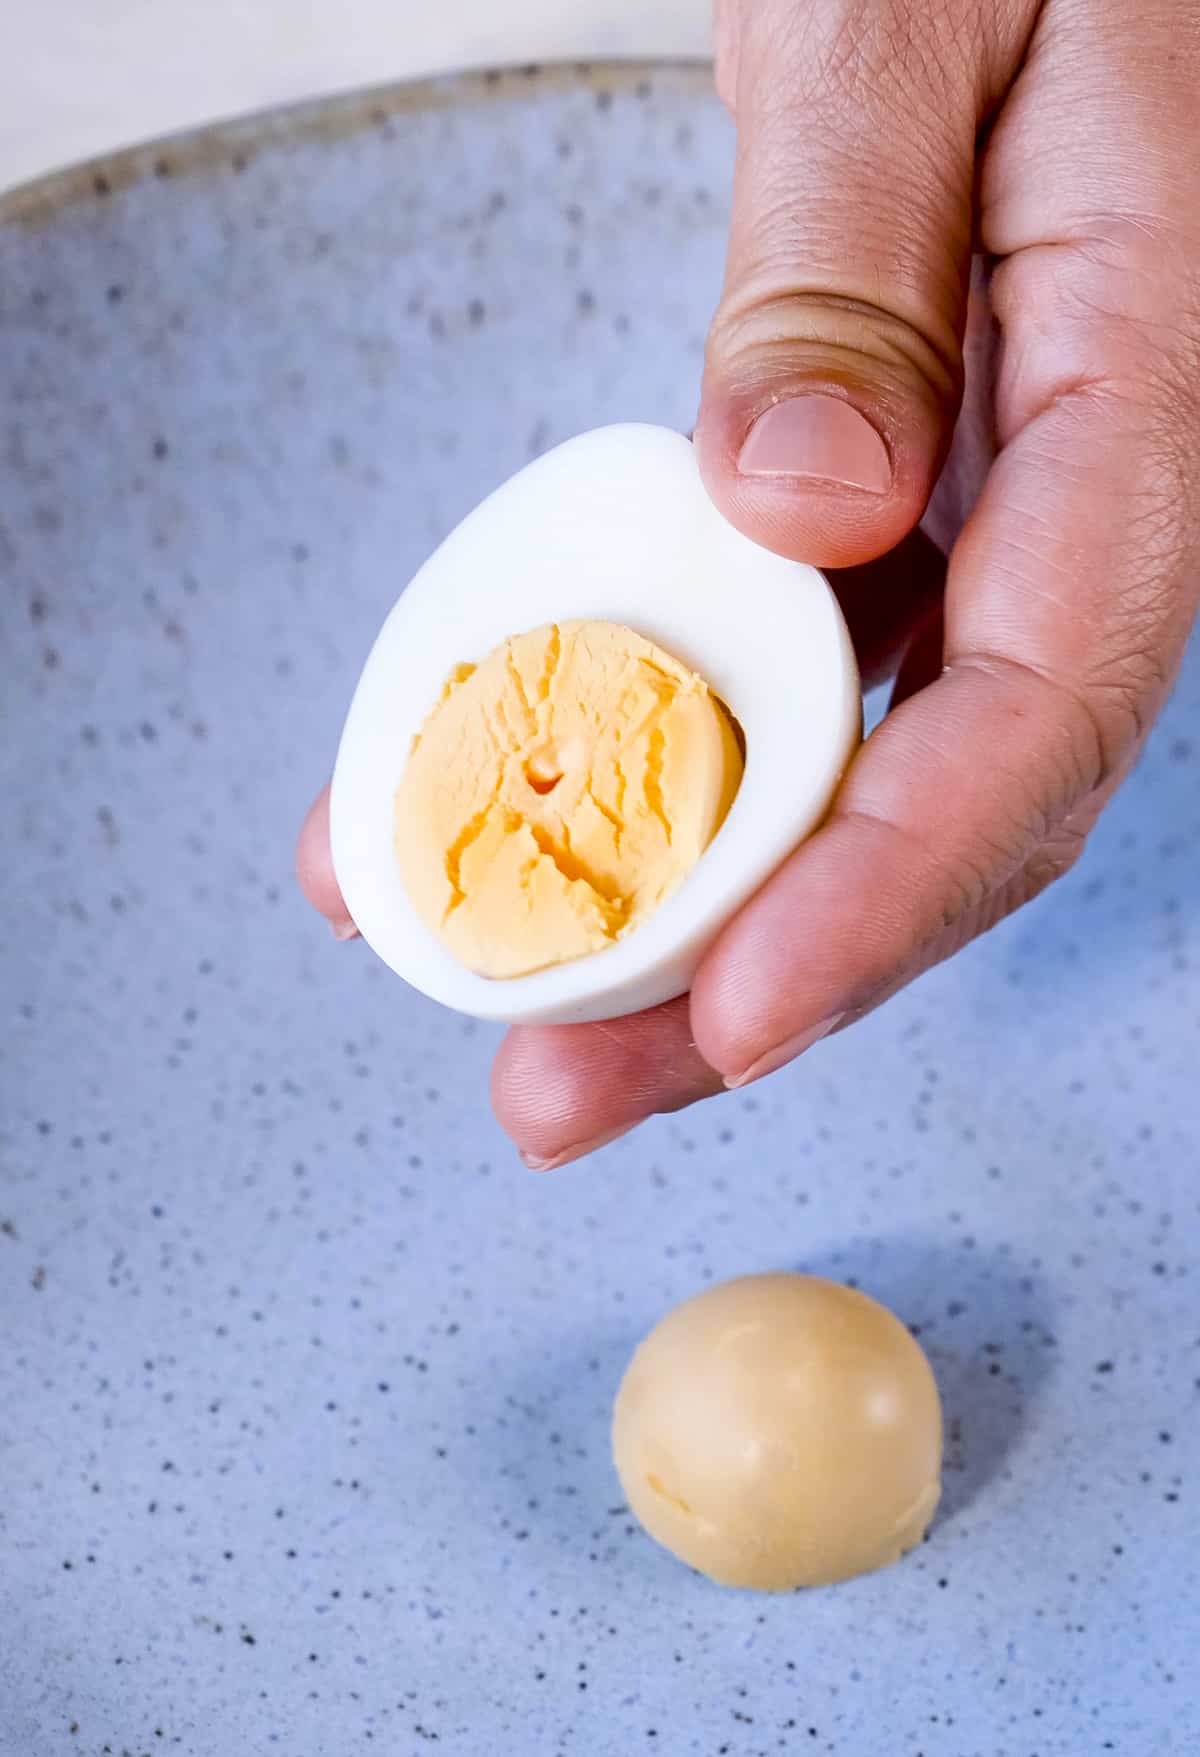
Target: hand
[(871, 404)]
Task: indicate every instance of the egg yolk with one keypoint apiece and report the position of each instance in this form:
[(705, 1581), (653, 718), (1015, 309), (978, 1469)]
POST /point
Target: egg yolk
[(559, 792), (780, 1431)]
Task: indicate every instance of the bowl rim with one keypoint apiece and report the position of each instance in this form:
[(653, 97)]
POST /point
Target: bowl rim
[(230, 144)]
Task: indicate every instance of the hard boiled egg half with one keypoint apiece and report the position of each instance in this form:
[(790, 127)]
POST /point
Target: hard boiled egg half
[(593, 725)]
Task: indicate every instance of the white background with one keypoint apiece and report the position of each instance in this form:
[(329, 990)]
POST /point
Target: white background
[(83, 77)]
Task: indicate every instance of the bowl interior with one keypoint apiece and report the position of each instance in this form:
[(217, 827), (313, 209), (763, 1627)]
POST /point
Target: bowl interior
[(305, 1387)]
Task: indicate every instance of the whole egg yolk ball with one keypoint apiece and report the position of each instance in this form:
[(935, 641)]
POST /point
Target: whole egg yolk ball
[(780, 1431)]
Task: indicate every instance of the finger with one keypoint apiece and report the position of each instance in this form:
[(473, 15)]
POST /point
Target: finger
[(1072, 588), (834, 368), (1050, 681), (314, 869), (1053, 858), (562, 1090)]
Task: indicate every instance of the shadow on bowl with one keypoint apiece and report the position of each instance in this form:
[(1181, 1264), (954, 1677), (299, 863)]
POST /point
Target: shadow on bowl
[(984, 1318)]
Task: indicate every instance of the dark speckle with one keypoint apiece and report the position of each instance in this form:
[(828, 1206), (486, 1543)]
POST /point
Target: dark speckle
[(160, 448)]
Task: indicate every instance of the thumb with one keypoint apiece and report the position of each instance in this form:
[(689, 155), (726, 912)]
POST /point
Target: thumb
[(834, 372)]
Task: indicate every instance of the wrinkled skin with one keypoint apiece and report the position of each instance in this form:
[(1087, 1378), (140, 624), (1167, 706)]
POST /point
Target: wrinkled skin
[(978, 223)]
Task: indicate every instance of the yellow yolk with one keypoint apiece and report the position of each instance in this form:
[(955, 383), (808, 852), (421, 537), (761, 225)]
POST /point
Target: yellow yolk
[(558, 794), (780, 1431)]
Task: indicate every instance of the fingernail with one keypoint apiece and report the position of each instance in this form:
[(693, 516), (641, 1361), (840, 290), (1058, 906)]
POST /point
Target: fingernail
[(570, 1154), (818, 437), (343, 930), (785, 1052)]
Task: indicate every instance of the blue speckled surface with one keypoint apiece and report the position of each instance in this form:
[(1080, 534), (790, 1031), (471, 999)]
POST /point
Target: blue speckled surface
[(304, 1384)]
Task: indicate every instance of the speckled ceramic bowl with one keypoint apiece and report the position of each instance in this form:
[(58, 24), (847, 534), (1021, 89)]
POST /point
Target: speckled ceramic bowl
[(304, 1385)]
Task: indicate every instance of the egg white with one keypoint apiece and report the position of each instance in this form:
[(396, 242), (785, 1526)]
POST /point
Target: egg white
[(613, 526)]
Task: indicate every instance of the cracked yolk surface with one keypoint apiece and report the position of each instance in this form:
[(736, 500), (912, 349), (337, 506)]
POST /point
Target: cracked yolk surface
[(558, 794)]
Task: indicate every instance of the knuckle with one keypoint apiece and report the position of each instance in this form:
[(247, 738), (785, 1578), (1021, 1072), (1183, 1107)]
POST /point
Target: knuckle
[(1051, 861), (1130, 676), (861, 48), (1118, 309), (764, 322), (1156, 570), (1085, 752), (1058, 856), (963, 879)]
